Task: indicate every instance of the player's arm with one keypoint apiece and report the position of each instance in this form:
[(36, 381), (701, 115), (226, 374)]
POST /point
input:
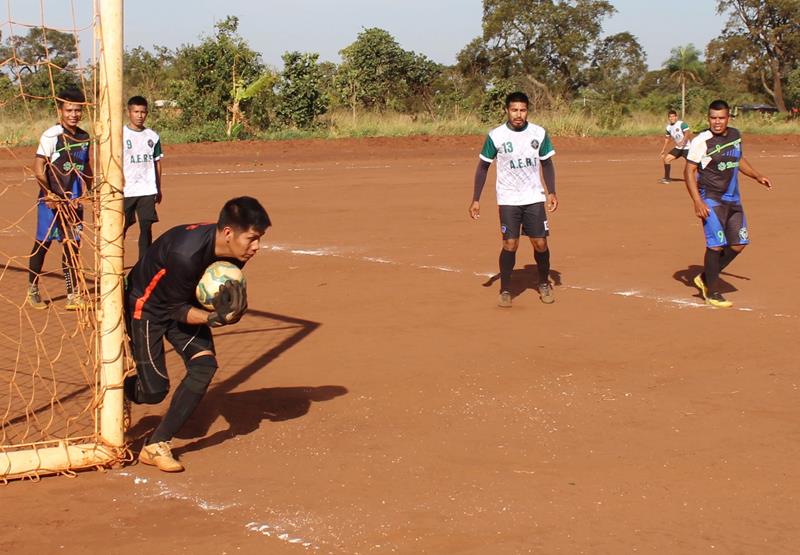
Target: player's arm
[(230, 303), (158, 154), (488, 153), (687, 137), (159, 195), (480, 180), (690, 176), (549, 175), (750, 171), (664, 146), (693, 160)]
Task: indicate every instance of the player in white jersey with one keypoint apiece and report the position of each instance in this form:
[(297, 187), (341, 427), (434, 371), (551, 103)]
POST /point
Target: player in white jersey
[(522, 151), (679, 133), (142, 166)]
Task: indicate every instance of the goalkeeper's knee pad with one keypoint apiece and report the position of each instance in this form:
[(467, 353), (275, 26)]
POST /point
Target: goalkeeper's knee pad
[(200, 371)]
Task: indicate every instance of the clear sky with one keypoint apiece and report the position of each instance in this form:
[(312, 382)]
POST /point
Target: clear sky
[(436, 28)]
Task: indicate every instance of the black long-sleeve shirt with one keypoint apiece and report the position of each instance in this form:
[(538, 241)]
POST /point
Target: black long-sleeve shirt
[(161, 286)]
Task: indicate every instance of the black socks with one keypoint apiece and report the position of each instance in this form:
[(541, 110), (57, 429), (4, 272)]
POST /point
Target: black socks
[(542, 264), (507, 261)]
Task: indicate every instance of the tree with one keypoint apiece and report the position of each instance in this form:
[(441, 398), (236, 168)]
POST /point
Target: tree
[(147, 73), (772, 27), (372, 70), (546, 41), (209, 74), (618, 66), (42, 62), (300, 97), (683, 65), (421, 74)]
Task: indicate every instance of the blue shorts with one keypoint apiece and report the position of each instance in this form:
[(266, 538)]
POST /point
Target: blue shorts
[(725, 224), (49, 227)]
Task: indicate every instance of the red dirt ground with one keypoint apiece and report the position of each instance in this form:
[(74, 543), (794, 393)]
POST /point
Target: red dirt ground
[(377, 401)]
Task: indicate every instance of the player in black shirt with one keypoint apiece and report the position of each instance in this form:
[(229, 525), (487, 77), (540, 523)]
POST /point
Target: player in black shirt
[(161, 303)]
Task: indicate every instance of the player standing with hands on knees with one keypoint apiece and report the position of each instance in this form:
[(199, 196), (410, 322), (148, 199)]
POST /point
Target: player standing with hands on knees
[(679, 133), (161, 303), (522, 150), (712, 178), (142, 166)]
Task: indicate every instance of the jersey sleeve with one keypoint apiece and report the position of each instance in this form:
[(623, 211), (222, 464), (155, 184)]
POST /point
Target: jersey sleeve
[(666, 132), (697, 150), (47, 146), (181, 281), (158, 154), (546, 149), (684, 126), (489, 151)]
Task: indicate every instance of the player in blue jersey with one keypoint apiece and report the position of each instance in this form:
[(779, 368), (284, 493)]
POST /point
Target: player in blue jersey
[(713, 166), (161, 304), (523, 152), (63, 172)]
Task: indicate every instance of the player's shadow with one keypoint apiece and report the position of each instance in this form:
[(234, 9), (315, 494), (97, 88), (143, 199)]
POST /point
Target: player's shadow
[(685, 276), (245, 410), (525, 278)]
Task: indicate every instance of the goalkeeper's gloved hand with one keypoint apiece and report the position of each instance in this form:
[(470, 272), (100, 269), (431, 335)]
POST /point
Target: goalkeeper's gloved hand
[(230, 304)]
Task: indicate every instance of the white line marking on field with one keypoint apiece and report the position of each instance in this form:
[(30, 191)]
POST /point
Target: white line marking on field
[(277, 532), (633, 293)]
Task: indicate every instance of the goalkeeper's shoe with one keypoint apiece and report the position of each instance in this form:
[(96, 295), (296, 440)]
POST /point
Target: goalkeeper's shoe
[(160, 455), (35, 298), (75, 302)]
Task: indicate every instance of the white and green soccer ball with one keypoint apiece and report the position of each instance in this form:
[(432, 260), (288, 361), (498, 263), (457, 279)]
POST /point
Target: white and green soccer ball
[(215, 275)]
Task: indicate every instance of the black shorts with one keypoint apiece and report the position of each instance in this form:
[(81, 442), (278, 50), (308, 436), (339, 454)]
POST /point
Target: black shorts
[(142, 207), (531, 217), (147, 347), (679, 152)]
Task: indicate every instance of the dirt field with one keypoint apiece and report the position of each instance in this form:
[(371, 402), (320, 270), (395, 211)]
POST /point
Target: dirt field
[(376, 400)]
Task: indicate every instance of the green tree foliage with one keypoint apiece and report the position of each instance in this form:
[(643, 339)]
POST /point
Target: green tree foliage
[(208, 74), (548, 42), (372, 70), (792, 89), (147, 73), (301, 99), (420, 78), (772, 30), (684, 65), (617, 67), (42, 62)]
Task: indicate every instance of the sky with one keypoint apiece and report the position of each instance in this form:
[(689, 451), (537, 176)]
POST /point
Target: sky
[(437, 28)]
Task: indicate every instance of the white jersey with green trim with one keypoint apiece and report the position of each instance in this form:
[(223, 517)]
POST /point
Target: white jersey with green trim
[(518, 153), (678, 131), (141, 150)]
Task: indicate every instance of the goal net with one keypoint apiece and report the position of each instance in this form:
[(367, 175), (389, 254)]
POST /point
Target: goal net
[(61, 358)]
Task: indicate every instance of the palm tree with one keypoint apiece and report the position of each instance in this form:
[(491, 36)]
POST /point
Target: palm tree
[(684, 64)]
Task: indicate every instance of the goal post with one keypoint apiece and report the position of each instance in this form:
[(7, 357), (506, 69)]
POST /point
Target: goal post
[(111, 255), (42, 372)]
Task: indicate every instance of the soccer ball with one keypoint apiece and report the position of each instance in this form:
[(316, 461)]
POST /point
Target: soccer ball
[(215, 275)]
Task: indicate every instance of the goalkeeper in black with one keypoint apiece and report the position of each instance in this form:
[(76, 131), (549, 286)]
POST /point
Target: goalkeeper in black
[(161, 304)]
